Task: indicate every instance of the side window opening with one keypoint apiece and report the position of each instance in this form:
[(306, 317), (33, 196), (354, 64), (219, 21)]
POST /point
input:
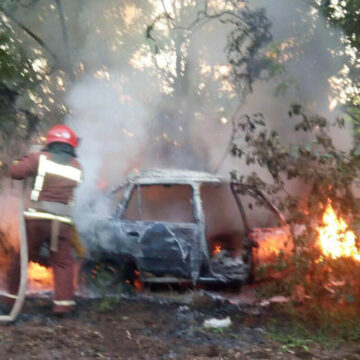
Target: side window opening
[(223, 223), (161, 202), (258, 213)]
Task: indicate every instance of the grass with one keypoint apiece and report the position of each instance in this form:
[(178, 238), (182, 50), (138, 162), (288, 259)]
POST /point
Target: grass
[(110, 293), (212, 330), (290, 342), (329, 325), (106, 304)]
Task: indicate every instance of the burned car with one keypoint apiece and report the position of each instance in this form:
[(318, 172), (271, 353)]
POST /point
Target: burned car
[(181, 226)]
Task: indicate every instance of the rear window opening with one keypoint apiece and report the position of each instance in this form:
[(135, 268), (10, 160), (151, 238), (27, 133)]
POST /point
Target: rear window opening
[(165, 203)]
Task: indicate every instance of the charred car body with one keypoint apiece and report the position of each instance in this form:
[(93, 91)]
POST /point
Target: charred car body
[(181, 226)]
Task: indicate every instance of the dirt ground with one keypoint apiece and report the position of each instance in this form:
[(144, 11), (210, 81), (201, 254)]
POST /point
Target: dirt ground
[(152, 327)]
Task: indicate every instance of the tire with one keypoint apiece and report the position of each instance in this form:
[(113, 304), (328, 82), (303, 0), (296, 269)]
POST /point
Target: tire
[(105, 275)]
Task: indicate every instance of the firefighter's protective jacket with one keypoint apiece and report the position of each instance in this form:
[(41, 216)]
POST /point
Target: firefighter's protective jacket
[(54, 182)]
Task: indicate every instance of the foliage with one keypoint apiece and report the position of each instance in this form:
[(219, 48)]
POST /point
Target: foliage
[(27, 89), (16, 74), (326, 175), (314, 160), (247, 60), (345, 16)]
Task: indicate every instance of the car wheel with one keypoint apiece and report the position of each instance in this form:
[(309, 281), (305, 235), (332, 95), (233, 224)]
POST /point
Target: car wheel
[(103, 275)]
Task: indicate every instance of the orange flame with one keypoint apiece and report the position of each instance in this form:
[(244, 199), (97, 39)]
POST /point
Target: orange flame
[(138, 285), (335, 239), (40, 277), (217, 249)]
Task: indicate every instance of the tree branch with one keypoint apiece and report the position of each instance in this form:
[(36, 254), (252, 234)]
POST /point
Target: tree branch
[(203, 14), (167, 17), (32, 35), (65, 37)]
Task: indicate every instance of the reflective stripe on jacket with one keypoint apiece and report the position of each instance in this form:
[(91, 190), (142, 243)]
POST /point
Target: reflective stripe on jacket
[(34, 214), (47, 166)]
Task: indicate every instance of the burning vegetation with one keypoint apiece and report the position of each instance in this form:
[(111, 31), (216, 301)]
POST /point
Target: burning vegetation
[(324, 255), (336, 240)]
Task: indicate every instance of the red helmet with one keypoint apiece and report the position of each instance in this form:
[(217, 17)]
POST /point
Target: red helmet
[(61, 133)]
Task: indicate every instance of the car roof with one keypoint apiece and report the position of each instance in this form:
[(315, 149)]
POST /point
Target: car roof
[(173, 176)]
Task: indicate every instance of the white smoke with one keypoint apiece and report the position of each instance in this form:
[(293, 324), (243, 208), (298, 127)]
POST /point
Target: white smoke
[(106, 39), (115, 107), (111, 119), (311, 52)]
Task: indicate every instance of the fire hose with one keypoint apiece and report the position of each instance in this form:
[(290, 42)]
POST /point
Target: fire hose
[(23, 264)]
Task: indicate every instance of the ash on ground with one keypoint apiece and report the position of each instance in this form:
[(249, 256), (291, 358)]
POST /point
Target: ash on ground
[(153, 325)]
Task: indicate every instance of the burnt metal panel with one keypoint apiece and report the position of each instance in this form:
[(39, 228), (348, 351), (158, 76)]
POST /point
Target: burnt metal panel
[(172, 176), (164, 251), (125, 200)]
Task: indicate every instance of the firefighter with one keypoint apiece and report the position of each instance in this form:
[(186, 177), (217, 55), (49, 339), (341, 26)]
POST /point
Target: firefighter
[(57, 173)]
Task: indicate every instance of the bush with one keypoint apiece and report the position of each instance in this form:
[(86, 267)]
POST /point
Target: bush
[(327, 175)]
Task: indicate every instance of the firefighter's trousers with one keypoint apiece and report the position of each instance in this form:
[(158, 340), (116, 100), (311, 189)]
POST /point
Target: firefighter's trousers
[(39, 231)]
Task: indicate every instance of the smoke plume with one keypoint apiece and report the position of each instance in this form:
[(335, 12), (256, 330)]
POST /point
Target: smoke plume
[(133, 111)]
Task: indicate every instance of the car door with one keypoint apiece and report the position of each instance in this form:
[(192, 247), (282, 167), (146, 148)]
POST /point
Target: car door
[(159, 229), (267, 243)]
